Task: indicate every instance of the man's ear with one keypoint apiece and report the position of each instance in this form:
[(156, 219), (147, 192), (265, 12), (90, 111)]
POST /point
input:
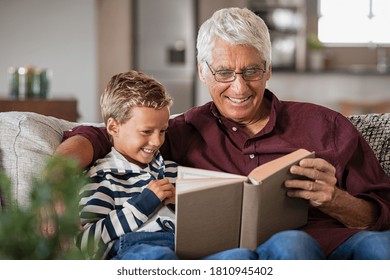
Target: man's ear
[(201, 74), (112, 126), (269, 72)]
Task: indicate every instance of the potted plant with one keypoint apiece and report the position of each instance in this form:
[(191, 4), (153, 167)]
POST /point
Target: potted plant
[(316, 53), (44, 229)]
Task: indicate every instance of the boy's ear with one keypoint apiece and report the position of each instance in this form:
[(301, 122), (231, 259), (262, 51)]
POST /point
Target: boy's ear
[(112, 126)]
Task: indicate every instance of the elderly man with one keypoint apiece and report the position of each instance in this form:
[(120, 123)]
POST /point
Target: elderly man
[(246, 125)]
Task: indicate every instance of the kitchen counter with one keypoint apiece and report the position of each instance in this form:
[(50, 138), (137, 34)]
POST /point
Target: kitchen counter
[(332, 88)]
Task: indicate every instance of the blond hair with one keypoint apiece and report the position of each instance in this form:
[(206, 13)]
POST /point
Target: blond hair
[(132, 89)]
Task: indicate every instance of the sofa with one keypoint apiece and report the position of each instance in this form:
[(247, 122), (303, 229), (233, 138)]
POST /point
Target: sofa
[(28, 139)]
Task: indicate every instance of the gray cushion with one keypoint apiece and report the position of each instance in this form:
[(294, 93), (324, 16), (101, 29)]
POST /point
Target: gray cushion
[(375, 128), (26, 140)]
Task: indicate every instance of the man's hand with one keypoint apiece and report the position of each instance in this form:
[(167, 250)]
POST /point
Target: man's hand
[(320, 187), (321, 191)]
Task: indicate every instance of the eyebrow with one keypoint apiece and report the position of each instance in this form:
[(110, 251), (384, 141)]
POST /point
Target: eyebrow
[(247, 67)]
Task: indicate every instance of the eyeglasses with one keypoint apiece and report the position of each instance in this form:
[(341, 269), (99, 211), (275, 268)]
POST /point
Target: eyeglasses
[(227, 76)]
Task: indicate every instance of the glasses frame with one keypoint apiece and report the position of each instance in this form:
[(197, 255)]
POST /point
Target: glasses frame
[(234, 77)]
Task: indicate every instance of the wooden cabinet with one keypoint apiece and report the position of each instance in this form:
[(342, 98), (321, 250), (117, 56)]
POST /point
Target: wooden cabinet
[(355, 107), (60, 108)]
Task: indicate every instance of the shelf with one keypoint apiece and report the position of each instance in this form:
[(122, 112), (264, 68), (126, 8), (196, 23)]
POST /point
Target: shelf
[(60, 108)]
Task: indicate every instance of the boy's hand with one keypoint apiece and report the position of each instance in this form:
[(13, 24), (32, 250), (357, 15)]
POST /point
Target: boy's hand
[(163, 189), (172, 199)]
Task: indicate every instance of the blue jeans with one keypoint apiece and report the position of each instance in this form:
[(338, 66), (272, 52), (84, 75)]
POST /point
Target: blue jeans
[(290, 245), (233, 254), (144, 246), (364, 245), (160, 246), (298, 245)]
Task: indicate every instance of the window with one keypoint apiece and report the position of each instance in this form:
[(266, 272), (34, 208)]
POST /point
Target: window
[(354, 21)]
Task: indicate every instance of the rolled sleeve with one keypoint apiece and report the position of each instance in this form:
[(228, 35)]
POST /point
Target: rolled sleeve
[(96, 135)]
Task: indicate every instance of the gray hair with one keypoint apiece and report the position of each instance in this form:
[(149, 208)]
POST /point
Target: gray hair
[(237, 26)]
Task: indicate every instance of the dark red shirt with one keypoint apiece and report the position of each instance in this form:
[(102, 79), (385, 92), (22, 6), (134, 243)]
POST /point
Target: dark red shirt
[(202, 138)]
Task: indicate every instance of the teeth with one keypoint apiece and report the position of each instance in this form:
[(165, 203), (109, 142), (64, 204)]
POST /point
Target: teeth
[(237, 100), (148, 150)]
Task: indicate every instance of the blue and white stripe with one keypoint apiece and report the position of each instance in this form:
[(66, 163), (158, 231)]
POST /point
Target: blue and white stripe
[(116, 201)]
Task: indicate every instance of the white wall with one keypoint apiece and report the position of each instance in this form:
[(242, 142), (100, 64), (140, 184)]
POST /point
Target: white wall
[(60, 35)]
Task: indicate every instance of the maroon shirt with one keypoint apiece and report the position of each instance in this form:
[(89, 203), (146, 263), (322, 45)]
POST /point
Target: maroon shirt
[(202, 138)]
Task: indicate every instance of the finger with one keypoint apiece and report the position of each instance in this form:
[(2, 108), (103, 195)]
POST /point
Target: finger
[(314, 174), (170, 200), (159, 182), (316, 199), (162, 181), (158, 185), (319, 164), (167, 187), (317, 193), (308, 185)]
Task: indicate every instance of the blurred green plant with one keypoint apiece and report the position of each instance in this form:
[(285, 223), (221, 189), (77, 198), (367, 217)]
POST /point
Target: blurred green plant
[(313, 43), (45, 228)]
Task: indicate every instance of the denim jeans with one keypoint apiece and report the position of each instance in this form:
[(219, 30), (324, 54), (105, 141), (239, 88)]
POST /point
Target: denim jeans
[(160, 246), (364, 245), (290, 245), (285, 245), (144, 246), (233, 254), (297, 245)]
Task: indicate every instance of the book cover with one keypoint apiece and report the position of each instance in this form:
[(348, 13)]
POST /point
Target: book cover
[(216, 211)]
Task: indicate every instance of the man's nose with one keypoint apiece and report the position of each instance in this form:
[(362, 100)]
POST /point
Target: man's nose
[(239, 85)]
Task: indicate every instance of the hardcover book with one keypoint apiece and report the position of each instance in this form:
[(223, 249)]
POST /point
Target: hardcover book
[(216, 211)]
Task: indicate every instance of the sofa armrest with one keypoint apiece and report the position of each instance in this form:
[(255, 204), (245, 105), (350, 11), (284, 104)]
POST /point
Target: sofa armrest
[(26, 141), (375, 128)]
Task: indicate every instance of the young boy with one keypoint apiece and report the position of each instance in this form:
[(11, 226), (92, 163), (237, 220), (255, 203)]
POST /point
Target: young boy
[(123, 210)]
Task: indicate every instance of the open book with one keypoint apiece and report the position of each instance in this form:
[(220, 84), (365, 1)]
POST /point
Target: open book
[(216, 211)]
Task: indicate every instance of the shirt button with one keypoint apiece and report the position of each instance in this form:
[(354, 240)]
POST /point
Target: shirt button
[(251, 156), (234, 128)]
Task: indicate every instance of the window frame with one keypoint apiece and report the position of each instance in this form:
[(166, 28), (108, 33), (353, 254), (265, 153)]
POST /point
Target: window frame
[(370, 44)]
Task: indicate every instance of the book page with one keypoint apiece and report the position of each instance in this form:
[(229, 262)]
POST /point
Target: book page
[(184, 172), (190, 185)]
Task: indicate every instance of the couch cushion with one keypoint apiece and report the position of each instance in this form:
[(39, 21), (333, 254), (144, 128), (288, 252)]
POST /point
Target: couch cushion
[(26, 140), (375, 128)]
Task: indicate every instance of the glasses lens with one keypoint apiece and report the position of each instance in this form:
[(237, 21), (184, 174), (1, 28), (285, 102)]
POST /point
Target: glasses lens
[(252, 74), (224, 75)]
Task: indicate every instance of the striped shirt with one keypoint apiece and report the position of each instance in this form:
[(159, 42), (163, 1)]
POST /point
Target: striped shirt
[(116, 201)]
